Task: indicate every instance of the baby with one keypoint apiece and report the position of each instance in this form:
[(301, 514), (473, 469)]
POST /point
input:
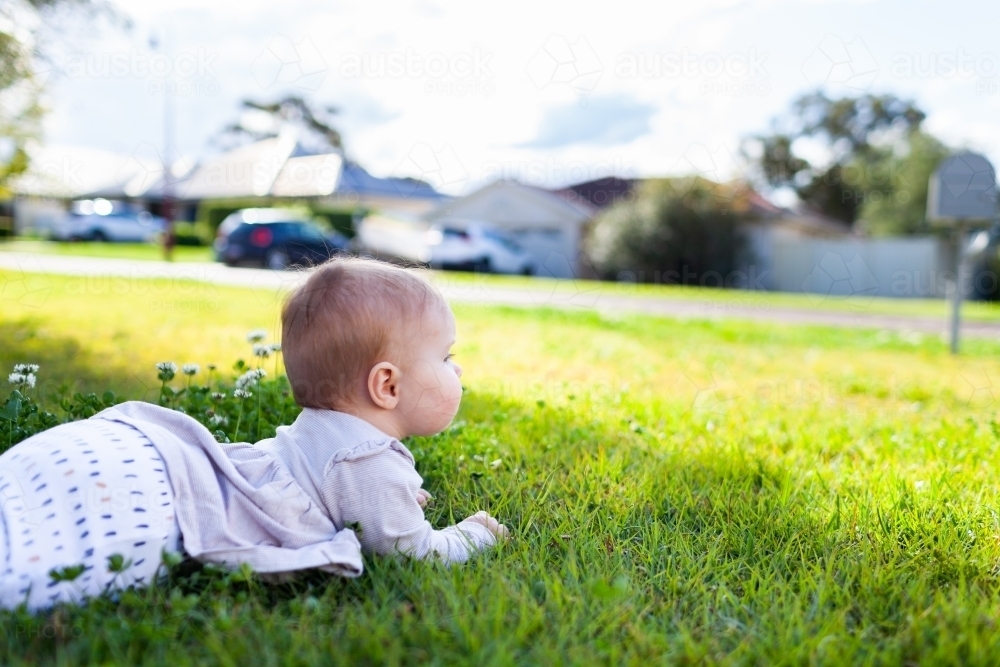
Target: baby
[(367, 353)]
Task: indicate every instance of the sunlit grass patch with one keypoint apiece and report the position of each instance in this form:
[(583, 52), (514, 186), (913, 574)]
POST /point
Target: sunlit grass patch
[(143, 251), (681, 492)]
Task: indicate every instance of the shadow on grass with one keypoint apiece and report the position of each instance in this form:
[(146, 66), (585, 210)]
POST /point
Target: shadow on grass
[(67, 366), (624, 549)]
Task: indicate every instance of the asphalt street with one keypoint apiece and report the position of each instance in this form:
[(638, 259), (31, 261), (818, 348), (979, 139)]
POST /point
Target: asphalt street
[(569, 294)]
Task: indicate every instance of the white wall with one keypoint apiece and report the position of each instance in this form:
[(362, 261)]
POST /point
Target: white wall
[(36, 215), (852, 268)]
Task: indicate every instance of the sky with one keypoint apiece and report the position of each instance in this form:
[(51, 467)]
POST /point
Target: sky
[(550, 93)]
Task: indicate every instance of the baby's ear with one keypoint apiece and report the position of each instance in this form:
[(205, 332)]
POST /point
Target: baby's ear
[(383, 385)]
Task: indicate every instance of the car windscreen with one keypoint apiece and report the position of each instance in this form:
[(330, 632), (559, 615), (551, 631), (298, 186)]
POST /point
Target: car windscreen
[(504, 240), (296, 231)]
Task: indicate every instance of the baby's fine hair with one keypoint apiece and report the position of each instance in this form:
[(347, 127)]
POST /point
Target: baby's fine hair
[(342, 321)]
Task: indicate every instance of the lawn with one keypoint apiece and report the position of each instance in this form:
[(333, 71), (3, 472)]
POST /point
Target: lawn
[(144, 251), (679, 492), (577, 291)]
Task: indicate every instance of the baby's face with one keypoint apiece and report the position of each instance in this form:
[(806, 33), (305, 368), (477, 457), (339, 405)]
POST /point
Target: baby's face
[(430, 389)]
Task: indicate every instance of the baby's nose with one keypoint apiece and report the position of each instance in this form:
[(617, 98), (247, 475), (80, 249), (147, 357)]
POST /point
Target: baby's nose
[(458, 369)]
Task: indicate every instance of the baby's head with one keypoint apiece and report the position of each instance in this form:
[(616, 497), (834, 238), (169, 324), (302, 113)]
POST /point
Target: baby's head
[(372, 339)]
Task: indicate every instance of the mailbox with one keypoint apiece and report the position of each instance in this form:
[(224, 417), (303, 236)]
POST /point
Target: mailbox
[(962, 191)]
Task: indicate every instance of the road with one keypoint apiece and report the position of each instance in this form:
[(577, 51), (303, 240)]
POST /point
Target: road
[(557, 294)]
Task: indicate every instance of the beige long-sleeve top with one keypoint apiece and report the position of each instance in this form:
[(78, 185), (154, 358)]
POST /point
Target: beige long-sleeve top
[(367, 479), (289, 503)]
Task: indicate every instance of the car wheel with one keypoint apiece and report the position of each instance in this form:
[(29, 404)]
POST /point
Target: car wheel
[(99, 236), (278, 260), (527, 271), (481, 265)]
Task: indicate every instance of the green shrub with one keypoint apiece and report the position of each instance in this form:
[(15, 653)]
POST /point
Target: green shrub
[(683, 230)]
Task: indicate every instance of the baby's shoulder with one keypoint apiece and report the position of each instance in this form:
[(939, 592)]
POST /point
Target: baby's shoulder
[(369, 449)]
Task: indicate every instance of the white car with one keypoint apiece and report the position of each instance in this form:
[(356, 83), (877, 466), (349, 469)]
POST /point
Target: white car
[(457, 245), (121, 227), (476, 247)]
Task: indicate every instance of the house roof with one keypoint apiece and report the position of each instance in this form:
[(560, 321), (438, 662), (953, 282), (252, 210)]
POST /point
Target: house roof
[(356, 179), (247, 171), (511, 202), (62, 171), (599, 193), (275, 167), (308, 176)]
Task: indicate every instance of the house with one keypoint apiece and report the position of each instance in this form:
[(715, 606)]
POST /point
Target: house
[(279, 168), (265, 173), (550, 227), (59, 174)]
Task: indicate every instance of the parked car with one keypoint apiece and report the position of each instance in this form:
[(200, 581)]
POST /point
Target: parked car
[(453, 245), (274, 238), (476, 247), (120, 227)]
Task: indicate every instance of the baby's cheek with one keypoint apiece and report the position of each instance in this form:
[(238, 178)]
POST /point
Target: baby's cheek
[(450, 396), (438, 393)]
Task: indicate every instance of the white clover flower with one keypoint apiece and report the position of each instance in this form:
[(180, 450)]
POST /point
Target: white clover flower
[(261, 350), (218, 420), (190, 369), (242, 393), (167, 370), (275, 347), (256, 336), (22, 379), (250, 377), (25, 369), (218, 395)]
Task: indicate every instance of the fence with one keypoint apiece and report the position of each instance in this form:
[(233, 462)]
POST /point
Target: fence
[(893, 267)]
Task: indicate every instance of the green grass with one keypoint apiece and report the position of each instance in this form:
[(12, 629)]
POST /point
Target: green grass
[(143, 251), (728, 298), (679, 492), (722, 298)]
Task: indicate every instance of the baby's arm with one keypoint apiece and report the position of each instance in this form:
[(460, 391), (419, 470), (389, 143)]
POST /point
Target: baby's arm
[(379, 493)]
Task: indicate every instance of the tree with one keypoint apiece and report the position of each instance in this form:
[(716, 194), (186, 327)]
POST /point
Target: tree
[(896, 199), (261, 120), (20, 110), (683, 230), (858, 135)]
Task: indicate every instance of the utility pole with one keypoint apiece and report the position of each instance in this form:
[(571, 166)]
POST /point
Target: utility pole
[(167, 192), (962, 194), (958, 239)]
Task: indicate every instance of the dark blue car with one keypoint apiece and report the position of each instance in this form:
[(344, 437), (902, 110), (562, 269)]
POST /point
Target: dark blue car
[(275, 239)]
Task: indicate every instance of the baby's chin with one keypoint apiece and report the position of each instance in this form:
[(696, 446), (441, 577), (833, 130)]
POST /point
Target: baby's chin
[(435, 424)]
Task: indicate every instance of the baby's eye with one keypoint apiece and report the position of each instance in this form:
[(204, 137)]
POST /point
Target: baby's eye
[(449, 357)]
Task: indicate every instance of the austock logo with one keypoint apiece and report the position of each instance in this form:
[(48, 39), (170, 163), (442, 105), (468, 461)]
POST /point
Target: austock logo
[(441, 167), (560, 62), (839, 64), (833, 277), (286, 62)]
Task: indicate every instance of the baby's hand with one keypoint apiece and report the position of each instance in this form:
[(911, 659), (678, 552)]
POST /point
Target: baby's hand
[(494, 526), (423, 497)]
